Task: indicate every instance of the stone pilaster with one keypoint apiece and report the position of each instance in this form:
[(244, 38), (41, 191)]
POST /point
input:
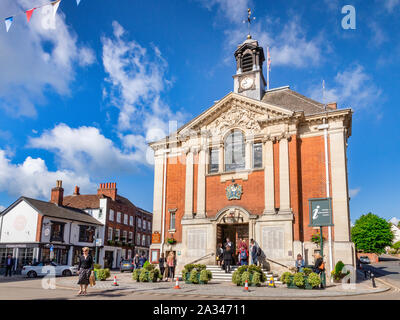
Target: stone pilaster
[(340, 197), (269, 185), (248, 156), (284, 182), (158, 191), (189, 185), (201, 184), (221, 158)]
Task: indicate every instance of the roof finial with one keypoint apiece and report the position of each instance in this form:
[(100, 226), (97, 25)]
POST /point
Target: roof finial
[(249, 20)]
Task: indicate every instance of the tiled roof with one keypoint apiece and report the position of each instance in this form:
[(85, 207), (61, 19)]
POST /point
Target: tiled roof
[(52, 210), (293, 101)]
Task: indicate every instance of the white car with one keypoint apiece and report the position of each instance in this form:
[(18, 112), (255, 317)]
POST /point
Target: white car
[(40, 269)]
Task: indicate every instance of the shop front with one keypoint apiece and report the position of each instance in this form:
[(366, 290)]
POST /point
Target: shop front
[(55, 253)]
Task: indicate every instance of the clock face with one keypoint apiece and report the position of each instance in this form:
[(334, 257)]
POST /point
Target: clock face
[(246, 83)]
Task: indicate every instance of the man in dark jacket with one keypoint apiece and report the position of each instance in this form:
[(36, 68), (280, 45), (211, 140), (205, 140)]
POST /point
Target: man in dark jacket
[(9, 264), (227, 259)]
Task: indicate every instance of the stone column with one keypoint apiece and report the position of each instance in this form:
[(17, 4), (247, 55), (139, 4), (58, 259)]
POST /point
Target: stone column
[(221, 158), (284, 182), (189, 185), (158, 191), (201, 183), (340, 197), (269, 185), (248, 156)]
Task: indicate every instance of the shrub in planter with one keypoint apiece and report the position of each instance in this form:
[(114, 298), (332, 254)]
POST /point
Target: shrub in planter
[(285, 277), (136, 274), (298, 279), (256, 280), (152, 276), (314, 280), (146, 265), (245, 276), (237, 278), (194, 278), (97, 266), (337, 273), (103, 274), (204, 276), (144, 276), (307, 271)]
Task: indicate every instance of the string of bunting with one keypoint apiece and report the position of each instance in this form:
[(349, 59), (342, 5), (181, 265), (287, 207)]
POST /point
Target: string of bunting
[(28, 13)]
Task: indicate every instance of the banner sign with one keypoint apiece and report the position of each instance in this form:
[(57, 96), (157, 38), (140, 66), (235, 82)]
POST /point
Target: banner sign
[(320, 212)]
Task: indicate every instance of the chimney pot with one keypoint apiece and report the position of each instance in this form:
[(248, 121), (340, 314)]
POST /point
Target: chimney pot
[(76, 193)]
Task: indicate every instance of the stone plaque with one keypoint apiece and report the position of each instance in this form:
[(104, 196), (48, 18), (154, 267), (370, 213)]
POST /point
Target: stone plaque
[(273, 242), (197, 243)]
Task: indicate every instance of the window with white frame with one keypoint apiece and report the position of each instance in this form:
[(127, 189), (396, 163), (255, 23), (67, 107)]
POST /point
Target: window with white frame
[(149, 225), (172, 220), (131, 220), (129, 254), (143, 240), (214, 161), (235, 151), (130, 237), (125, 219), (257, 155), (124, 236), (117, 234), (119, 217), (144, 224), (139, 223), (111, 215), (138, 239), (110, 234)]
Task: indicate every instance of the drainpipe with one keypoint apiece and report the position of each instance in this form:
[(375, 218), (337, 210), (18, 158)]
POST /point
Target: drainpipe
[(164, 200)]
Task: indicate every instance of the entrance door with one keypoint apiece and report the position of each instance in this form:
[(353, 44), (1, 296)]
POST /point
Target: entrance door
[(234, 232)]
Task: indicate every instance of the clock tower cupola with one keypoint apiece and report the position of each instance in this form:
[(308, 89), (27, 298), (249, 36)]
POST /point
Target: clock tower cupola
[(249, 79)]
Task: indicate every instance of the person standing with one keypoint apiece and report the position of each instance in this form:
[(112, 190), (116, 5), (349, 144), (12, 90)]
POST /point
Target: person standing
[(220, 252), (299, 264), (85, 268), (142, 260), (228, 243), (255, 251), (171, 262), (227, 259), (319, 265), (161, 265), (9, 265), (136, 261), (244, 256)]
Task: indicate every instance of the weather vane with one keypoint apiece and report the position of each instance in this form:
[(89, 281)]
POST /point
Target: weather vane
[(249, 20)]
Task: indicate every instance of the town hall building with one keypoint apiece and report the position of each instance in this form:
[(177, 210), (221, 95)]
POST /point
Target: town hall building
[(247, 168)]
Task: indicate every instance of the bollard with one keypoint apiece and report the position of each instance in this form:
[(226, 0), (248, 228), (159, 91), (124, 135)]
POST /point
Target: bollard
[(373, 280)]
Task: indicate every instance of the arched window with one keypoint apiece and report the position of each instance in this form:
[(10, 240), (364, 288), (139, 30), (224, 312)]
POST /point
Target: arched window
[(234, 151), (247, 62)]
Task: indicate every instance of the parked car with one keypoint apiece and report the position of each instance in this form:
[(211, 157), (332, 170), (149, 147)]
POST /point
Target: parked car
[(40, 269), (365, 260), (127, 265)]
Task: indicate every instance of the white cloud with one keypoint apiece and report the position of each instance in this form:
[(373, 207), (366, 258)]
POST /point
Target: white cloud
[(33, 179), (378, 35), (352, 88), (390, 5), (32, 58), (2, 208), (234, 10), (136, 78), (354, 192), (86, 150)]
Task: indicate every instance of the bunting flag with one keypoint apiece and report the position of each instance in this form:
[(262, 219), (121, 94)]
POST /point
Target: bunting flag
[(29, 14), (78, 2), (55, 4), (8, 21), (268, 59)]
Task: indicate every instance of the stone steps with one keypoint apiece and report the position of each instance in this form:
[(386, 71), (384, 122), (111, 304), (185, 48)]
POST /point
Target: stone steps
[(220, 275)]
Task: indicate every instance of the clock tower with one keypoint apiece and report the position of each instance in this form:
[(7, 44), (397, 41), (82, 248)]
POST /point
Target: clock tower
[(249, 79)]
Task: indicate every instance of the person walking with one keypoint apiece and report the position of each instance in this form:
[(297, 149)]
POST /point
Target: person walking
[(299, 264), (244, 255), (9, 265), (85, 269), (171, 262), (161, 265), (227, 259), (255, 251)]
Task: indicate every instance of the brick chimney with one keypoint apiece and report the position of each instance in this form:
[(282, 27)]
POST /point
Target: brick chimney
[(108, 189), (57, 194), (332, 105), (76, 192)]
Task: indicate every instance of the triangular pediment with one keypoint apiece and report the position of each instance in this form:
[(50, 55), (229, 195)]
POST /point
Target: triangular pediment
[(235, 110)]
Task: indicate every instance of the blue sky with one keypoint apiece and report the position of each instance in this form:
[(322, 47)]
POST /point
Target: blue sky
[(80, 102)]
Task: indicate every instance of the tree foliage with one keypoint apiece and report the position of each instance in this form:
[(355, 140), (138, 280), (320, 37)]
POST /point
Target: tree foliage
[(371, 234)]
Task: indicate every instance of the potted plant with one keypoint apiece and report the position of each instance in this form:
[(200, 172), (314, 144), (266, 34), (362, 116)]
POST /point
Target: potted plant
[(314, 280), (244, 273), (298, 279), (171, 240), (205, 276), (194, 276), (316, 238), (337, 273), (103, 274)]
